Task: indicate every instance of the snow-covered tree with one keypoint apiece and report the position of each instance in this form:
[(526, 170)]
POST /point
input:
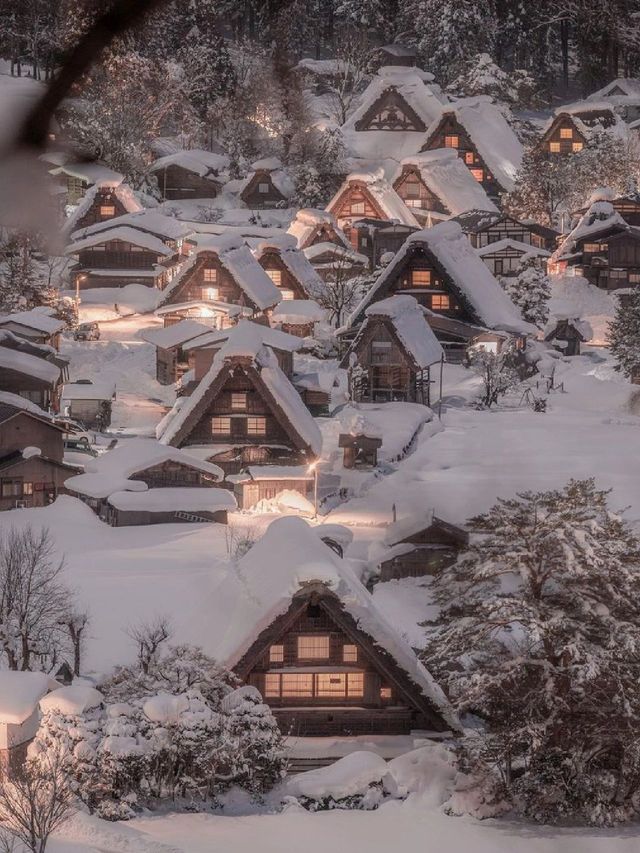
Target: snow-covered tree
[(538, 634), (542, 186), (496, 371), (480, 75), (624, 334), (530, 290)]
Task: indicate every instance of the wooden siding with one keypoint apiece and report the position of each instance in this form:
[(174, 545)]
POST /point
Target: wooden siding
[(194, 286), (257, 200), (176, 182), (33, 482), (23, 430), (271, 261), (130, 518), (104, 197), (557, 140), (391, 112), (416, 194), (250, 493)]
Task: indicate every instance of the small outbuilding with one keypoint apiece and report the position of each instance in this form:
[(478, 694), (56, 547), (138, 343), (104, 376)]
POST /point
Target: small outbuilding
[(88, 402), (566, 334), (20, 693), (170, 506), (361, 444), (266, 482), (419, 545)]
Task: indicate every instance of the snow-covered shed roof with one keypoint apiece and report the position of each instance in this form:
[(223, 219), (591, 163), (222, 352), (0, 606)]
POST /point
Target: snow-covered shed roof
[(112, 472), (383, 194), (416, 87), (276, 385), (29, 365), (517, 245), (444, 173), (38, 319), (126, 234), (271, 472), (12, 403), (151, 221), (120, 190), (175, 335), (170, 499), (308, 219), (408, 526), (289, 556), (249, 337), (236, 257), (491, 134), (90, 173), (298, 312), (629, 86), (20, 693), (408, 321), (72, 700), (205, 164), (91, 390), (338, 254), (294, 260), (453, 252)]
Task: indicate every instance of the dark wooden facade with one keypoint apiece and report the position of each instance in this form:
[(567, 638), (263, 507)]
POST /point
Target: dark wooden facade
[(416, 194), (563, 137), (609, 259), (323, 675), (565, 337), (429, 548), (33, 482), (39, 391), (261, 193), (289, 286), (628, 206), (171, 474), (360, 451), (136, 517), (176, 182), (483, 229), (391, 111), (449, 133), (506, 260), (253, 489), (375, 238), (355, 202), (141, 266), (106, 204)]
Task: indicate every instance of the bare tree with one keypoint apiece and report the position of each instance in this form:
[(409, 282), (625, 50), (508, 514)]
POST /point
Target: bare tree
[(149, 636), (33, 598), (76, 623), (36, 803), (497, 372), (352, 55), (341, 291)]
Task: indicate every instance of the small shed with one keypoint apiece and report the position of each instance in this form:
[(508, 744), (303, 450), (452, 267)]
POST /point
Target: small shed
[(419, 545), (297, 317), (361, 444), (39, 325), (566, 334), (20, 693), (172, 360), (266, 482), (170, 506), (88, 402)]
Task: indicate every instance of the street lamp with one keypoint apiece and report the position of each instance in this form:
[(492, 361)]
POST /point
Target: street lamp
[(79, 278), (313, 469)]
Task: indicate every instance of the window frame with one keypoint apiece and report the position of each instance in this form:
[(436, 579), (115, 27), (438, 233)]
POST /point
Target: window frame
[(301, 638)]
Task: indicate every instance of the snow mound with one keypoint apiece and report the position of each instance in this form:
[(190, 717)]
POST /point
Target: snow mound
[(164, 708), (19, 694), (573, 296), (71, 701), (348, 777)]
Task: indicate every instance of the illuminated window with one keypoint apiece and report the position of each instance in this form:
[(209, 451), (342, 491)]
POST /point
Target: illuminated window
[(413, 202), (421, 278), (263, 188), (256, 426), (440, 302), (27, 488), (287, 295), (594, 247), (412, 189), (107, 210), (275, 276), (271, 685), (276, 654), (385, 693), (554, 147), (221, 426), (577, 146), (313, 647), (210, 274), (210, 293), (634, 277), (478, 174), (350, 654), (331, 684), (469, 158), (357, 207), (451, 141), (355, 684), (239, 401), (566, 133), (296, 684)]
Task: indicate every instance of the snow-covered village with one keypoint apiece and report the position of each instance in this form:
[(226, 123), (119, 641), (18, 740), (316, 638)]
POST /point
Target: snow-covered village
[(319, 426)]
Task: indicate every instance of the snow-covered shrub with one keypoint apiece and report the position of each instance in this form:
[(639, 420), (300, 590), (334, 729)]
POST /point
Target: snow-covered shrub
[(530, 290), (497, 372), (538, 634), (624, 335), (482, 76)]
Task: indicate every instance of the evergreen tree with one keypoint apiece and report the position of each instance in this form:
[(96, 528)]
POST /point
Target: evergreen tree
[(530, 290), (541, 188), (539, 635), (624, 335)]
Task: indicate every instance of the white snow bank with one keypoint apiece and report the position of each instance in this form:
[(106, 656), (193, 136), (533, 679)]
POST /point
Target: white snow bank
[(71, 701), (348, 777), (169, 499), (165, 708), (573, 296), (20, 693)]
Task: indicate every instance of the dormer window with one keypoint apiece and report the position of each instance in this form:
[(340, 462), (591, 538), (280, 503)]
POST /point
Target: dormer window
[(313, 647), (107, 210), (357, 207), (275, 276), (452, 141), (566, 133), (263, 188)]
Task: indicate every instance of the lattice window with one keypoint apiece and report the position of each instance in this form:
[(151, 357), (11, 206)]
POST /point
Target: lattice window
[(313, 647)]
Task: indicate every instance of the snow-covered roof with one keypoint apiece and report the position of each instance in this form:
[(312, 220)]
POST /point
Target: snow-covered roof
[(583, 327), (39, 319), (91, 173), (175, 335), (491, 134), (170, 499), (271, 166), (29, 365), (294, 260), (145, 220), (322, 67), (126, 234), (415, 86), (112, 471), (121, 191), (101, 390), (392, 206), (236, 257), (20, 693), (15, 401), (72, 701), (272, 472), (408, 321), (508, 243), (444, 173), (453, 251), (290, 555), (340, 254), (298, 312), (248, 344), (307, 220), (205, 164), (247, 337), (598, 218), (207, 308), (627, 85)]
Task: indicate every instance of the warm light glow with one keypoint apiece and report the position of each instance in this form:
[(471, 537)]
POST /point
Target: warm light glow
[(313, 647)]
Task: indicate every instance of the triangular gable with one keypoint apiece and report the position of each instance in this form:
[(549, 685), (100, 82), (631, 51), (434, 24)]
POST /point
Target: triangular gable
[(563, 119), (379, 658), (439, 205), (260, 177), (344, 199), (391, 111), (367, 333)]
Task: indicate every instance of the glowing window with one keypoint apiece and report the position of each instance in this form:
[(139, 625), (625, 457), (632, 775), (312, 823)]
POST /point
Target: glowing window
[(385, 693), (357, 207), (27, 488), (275, 276), (210, 293), (313, 647), (451, 141), (355, 684), (440, 302), (412, 189), (554, 147), (256, 426), (577, 146), (239, 401), (478, 174), (413, 202), (210, 274), (107, 210), (221, 426), (287, 295), (566, 133), (296, 684), (276, 654), (350, 654), (331, 684), (469, 158), (271, 685), (421, 278)]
